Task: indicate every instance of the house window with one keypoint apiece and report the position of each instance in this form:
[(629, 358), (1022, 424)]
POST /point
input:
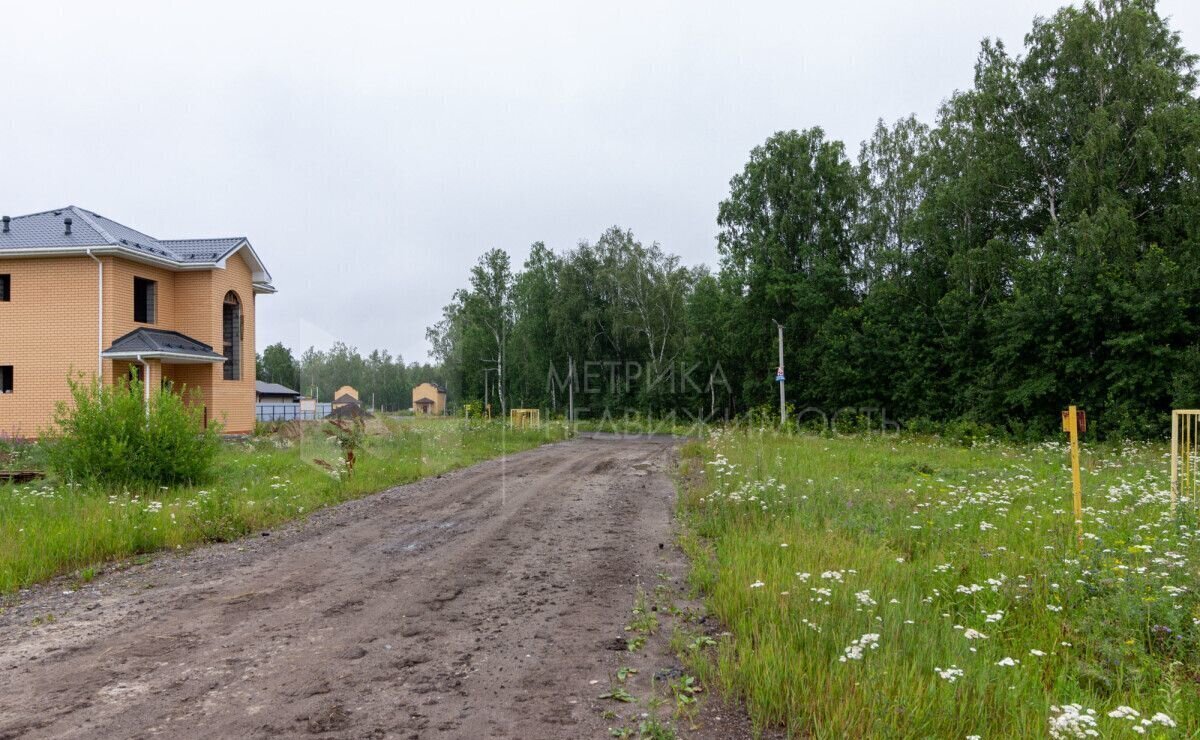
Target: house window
[(145, 300), (231, 330), (6, 378), (5, 288)]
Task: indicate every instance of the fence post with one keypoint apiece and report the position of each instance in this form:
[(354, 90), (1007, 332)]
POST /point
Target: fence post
[(1174, 458)]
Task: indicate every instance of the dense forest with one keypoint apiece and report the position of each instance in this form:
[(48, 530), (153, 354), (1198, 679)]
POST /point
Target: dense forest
[(379, 378), (1033, 246)]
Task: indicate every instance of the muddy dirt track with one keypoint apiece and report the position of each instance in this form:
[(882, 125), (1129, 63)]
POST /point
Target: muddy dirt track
[(484, 603)]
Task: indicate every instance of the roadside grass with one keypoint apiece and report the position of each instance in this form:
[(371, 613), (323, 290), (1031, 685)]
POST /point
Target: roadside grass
[(19, 455), (643, 424), (48, 527), (904, 587)]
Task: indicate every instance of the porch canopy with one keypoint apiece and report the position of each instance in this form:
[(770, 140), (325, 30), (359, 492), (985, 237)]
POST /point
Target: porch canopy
[(169, 347)]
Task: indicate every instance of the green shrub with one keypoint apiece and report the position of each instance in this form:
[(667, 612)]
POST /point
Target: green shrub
[(961, 430), (853, 421), (968, 432), (108, 436), (763, 416), (923, 426)]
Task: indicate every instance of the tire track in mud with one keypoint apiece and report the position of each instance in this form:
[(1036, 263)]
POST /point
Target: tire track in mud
[(471, 605)]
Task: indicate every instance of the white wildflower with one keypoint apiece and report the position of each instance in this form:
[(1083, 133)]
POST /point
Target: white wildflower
[(951, 674), (1162, 719), (856, 648), (1072, 721)]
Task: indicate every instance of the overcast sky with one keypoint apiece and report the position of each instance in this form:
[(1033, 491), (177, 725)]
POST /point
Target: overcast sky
[(371, 152)]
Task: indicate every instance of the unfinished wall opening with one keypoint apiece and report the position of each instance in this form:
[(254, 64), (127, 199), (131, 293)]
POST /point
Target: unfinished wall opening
[(5, 288), (145, 300), (6, 378)]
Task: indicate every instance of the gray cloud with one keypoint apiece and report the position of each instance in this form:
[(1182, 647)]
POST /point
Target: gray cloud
[(372, 151)]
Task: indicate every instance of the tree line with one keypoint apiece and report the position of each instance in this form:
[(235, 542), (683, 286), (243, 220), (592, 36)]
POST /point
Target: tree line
[(1036, 244), (378, 377), (617, 307)]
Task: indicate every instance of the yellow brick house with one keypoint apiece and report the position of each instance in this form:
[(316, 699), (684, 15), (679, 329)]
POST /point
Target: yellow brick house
[(429, 399), (80, 293)]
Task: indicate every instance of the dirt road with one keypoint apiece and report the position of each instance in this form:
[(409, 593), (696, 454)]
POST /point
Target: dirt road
[(485, 603)]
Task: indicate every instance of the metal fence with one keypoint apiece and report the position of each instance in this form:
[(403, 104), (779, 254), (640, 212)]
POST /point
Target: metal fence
[(291, 412)]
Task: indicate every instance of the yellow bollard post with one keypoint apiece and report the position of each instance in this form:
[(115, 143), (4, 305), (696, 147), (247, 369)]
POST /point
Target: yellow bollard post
[(1071, 419)]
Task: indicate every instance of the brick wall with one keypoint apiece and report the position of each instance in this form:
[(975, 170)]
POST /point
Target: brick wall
[(232, 401), (49, 329)]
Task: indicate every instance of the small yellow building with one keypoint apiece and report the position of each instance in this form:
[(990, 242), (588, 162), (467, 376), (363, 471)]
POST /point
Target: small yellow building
[(429, 399)]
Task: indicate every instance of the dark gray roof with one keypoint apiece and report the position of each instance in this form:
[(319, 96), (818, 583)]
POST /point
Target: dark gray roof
[(273, 389), (345, 398), (159, 341), (350, 411), (201, 250), (47, 230)]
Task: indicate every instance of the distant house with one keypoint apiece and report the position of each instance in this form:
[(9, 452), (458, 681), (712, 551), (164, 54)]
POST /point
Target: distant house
[(429, 399), (345, 396), (346, 404), (275, 393)]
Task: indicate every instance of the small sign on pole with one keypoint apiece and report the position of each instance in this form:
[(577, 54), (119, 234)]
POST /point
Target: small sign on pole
[(1081, 420), (1075, 423), (779, 375)]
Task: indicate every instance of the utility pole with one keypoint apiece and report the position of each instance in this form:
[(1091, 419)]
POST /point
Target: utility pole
[(570, 392), (779, 379), (712, 395)]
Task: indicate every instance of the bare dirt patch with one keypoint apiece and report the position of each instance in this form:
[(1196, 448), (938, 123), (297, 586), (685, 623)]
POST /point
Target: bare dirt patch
[(479, 604)]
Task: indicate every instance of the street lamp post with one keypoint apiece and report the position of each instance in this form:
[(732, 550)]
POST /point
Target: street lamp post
[(779, 379)]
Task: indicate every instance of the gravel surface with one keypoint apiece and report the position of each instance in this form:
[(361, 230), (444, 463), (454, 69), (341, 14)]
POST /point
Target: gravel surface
[(483, 603)]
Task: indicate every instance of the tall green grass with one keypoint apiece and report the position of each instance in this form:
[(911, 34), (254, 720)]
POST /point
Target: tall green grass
[(49, 527), (852, 573)]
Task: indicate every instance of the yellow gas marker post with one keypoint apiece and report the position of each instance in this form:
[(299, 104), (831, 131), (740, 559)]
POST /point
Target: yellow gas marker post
[(1072, 420)]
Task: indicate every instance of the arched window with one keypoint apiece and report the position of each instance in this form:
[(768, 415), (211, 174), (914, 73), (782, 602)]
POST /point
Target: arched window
[(231, 327)]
